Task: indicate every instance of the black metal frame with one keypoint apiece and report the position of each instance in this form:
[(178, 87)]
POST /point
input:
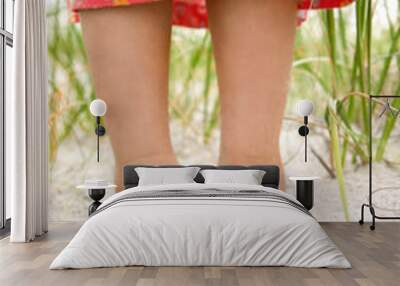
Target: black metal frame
[(370, 204), (6, 39)]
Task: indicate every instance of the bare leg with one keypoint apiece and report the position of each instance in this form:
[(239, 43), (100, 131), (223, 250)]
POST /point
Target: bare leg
[(128, 51), (253, 44)]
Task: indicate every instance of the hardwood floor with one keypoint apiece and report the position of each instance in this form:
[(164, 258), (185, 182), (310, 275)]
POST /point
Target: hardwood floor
[(375, 257)]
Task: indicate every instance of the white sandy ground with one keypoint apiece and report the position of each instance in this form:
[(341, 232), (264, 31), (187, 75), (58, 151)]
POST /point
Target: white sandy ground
[(76, 161)]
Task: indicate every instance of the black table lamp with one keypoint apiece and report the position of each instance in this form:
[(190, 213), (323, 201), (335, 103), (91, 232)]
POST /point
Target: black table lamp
[(98, 108), (304, 109)]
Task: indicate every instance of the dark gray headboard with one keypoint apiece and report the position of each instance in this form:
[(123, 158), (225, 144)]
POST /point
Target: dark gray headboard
[(271, 177)]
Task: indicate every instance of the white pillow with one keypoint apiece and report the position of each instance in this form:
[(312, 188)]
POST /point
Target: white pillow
[(162, 176), (248, 177)]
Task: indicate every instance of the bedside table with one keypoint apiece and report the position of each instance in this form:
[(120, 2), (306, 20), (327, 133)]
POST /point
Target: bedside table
[(305, 190), (96, 192)]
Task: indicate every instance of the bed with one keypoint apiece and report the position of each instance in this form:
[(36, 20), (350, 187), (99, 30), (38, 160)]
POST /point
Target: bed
[(199, 224)]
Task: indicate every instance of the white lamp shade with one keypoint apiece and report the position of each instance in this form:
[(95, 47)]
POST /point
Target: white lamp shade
[(98, 107), (305, 107)]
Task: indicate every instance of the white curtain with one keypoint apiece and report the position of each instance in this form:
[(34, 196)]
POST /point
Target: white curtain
[(26, 122)]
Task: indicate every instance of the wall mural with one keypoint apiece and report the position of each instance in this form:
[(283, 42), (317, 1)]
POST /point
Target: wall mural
[(340, 57)]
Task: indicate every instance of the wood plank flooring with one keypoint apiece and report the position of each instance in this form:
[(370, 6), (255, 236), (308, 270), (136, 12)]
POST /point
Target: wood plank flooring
[(375, 257)]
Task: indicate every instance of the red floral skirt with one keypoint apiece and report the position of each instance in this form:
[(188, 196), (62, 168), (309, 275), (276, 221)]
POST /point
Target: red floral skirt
[(193, 13)]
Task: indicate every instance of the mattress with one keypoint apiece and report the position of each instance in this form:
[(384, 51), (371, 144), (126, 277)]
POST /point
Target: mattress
[(201, 225)]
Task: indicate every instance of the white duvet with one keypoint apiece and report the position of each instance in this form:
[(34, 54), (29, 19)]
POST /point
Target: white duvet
[(200, 231)]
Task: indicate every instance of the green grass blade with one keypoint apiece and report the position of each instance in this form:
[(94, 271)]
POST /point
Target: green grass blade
[(336, 158)]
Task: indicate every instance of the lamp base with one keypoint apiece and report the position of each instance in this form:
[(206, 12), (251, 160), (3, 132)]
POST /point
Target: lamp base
[(303, 131), (100, 130)]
